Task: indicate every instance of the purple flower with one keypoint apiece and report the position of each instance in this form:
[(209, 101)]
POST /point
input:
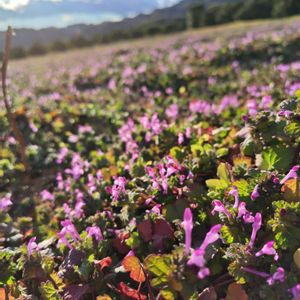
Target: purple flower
[(172, 111), (32, 246), (290, 175), (77, 166), (33, 128), (255, 227), (188, 132), (156, 209), (60, 181), (47, 196), (82, 129), (118, 187), (295, 291), (188, 227), (255, 194), (219, 207), (243, 212), (197, 258), (268, 249), (180, 138), (266, 102), (285, 113), (153, 126), (252, 107), (279, 275), (255, 272), (234, 192), (126, 131), (95, 231), (68, 230), (78, 210), (212, 236), (5, 203)]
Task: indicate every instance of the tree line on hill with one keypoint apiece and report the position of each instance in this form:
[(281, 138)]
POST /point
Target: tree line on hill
[(199, 15), (196, 16)]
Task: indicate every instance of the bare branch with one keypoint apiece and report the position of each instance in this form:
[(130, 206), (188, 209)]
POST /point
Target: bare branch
[(10, 115)]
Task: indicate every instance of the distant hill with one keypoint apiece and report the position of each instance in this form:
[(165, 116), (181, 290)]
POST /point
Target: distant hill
[(26, 38)]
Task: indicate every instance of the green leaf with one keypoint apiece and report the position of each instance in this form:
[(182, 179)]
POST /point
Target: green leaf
[(277, 157), (292, 129), (223, 172), (217, 184), (222, 152), (49, 292), (168, 294), (160, 266), (242, 186)]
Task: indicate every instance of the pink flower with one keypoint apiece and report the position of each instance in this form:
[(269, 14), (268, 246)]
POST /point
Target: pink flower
[(188, 227), (268, 249), (33, 128), (32, 246), (285, 113), (172, 111), (118, 187), (95, 231), (180, 138), (82, 129), (156, 209), (295, 291), (212, 236), (5, 203), (255, 194), (252, 107), (279, 275), (152, 125), (126, 131), (234, 192), (243, 212), (219, 207), (291, 174), (266, 102), (197, 258), (62, 155), (47, 196), (255, 227), (68, 230), (255, 272)]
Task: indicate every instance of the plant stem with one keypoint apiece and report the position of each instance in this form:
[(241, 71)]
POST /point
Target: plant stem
[(10, 115)]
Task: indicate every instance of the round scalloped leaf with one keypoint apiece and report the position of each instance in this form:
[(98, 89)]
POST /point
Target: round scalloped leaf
[(297, 258), (291, 190)]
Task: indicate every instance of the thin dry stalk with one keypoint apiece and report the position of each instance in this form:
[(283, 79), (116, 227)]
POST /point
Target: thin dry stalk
[(10, 115)]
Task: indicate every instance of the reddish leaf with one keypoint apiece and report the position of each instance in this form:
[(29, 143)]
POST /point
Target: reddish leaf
[(145, 230), (162, 230), (2, 294), (119, 243), (103, 263), (132, 264), (131, 293), (236, 292), (76, 292), (208, 294)]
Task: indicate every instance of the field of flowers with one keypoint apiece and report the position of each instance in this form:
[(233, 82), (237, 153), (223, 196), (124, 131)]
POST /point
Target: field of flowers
[(169, 171)]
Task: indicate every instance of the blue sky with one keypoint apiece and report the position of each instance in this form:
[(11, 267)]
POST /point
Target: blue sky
[(61, 13)]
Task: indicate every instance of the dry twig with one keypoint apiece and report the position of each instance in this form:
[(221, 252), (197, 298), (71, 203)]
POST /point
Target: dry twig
[(10, 115)]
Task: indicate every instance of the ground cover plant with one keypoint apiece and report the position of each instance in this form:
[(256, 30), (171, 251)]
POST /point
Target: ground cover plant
[(162, 172)]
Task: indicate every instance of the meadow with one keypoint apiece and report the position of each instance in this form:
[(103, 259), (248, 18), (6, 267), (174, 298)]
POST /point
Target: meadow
[(164, 168)]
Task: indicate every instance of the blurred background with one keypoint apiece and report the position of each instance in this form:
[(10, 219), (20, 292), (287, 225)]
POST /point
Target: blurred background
[(42, 26)]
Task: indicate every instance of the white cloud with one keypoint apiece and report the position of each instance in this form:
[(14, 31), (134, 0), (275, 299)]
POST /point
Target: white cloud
[(164, 3), (13, 4)]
